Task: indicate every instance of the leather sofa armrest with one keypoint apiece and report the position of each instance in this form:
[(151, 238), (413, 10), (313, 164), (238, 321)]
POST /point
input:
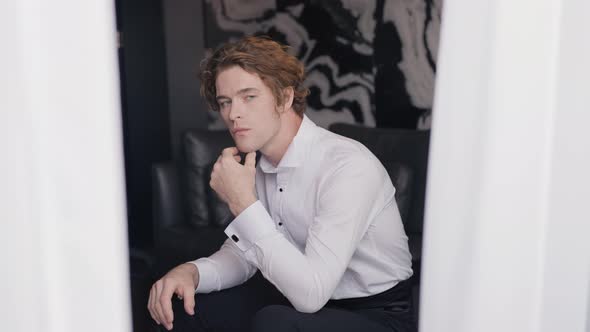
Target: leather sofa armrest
[(167, 198)]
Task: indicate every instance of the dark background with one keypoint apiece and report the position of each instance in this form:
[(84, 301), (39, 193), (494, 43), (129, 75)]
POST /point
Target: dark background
[(163, 42), (144, 98)]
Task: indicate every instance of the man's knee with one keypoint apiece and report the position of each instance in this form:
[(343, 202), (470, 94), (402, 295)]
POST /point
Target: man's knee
[(275, 318)]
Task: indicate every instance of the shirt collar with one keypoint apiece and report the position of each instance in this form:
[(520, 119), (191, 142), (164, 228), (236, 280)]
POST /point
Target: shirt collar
[(296, 151)]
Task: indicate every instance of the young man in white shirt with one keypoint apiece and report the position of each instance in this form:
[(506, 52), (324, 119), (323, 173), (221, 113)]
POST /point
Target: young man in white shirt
[(316, 217)]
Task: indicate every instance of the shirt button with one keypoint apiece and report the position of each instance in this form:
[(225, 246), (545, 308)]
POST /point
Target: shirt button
[(280, 223), (281, 189), (235, 238)]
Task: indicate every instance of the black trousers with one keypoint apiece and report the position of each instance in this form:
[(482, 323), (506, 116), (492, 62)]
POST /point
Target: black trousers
[(258, 306)]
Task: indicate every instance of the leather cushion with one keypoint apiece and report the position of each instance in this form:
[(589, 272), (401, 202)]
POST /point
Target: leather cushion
[(180, 244), (201, 149), (402, 178)]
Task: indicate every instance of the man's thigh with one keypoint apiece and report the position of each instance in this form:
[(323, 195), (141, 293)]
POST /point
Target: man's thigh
[(227, 310), (286, 318)]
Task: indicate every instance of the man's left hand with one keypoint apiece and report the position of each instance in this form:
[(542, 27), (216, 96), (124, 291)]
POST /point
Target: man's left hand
[(234, 182)]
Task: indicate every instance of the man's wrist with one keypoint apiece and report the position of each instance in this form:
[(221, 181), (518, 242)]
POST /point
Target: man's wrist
[(239, 207), (194, 270)]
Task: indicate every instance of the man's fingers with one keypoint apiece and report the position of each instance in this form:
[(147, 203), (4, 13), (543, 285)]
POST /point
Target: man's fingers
[(251, 160), (216, 165), (189, 300), (159, 313), (166, 303), (230, 152), (238, 158), (162, 313), (156, 305), (151, 307)]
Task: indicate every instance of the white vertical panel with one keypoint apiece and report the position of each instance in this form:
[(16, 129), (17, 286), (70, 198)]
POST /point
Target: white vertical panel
[(19, 236), (455, 163), (566, 270), (506, 212), (63, 233)]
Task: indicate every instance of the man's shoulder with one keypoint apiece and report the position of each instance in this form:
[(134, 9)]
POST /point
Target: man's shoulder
[(334, 150), (339, 159), (327, 141)]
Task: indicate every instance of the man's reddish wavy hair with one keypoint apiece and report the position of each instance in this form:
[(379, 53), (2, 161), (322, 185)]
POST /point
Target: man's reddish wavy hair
[(257, 55)]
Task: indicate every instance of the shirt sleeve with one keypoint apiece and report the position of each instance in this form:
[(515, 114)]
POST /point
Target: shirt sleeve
[(348, 198), (224, 269)]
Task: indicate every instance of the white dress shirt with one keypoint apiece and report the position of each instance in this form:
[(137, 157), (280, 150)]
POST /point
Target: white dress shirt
[(325, 226)]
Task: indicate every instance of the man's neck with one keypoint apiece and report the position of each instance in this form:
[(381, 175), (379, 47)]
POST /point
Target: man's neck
[(276, 149)]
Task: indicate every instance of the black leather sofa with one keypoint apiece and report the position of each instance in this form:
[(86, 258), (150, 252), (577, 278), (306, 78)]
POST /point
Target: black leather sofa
[(189, 218)]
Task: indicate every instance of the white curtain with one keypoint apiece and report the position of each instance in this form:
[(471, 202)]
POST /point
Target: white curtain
[(507, 220), (63, 240)]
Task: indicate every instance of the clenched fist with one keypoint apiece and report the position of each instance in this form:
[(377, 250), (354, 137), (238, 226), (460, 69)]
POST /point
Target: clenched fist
[(234, 182)]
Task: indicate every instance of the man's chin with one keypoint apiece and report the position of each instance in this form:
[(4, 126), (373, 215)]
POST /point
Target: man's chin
[(246, 149)]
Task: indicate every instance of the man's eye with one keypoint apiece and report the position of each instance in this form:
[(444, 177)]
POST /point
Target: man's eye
[(248, 98), (223, 104)]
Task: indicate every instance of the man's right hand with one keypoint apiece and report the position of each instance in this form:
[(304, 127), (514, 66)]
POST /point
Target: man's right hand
[(182, 281)]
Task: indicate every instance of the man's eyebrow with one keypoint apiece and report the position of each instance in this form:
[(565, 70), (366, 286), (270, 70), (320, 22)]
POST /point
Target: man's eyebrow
[(247, 90), (240, 92)]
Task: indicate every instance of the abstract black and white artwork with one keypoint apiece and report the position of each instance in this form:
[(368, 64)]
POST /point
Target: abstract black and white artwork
[(370, 62)]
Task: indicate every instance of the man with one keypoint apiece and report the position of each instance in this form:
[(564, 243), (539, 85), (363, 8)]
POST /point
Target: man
[(317, 216)]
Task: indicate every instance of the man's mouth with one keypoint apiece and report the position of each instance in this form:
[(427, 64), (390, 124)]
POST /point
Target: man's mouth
[(238, 131)]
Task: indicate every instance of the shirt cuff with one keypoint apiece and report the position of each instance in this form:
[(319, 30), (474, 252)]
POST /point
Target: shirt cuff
[(251, 225), (208, 276)]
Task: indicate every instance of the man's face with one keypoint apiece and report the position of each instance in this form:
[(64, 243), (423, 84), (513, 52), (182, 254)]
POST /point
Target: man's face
[(248, 109)]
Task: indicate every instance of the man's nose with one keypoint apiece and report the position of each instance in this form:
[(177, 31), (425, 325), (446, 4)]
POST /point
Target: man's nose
[(235, 110)]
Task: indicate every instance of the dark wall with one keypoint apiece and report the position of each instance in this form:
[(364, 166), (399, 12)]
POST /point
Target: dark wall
[(183, 26), (144, 94)]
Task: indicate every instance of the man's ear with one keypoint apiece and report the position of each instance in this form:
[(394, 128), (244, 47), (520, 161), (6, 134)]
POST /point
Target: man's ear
[(288, 95)]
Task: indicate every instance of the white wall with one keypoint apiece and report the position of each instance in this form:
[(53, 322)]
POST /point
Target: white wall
[(63, 241), (507, 222)]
